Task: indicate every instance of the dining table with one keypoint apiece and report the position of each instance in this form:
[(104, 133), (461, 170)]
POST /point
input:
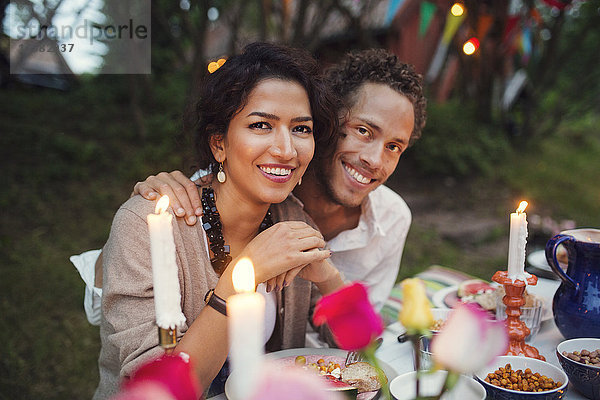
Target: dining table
[(400, 355)]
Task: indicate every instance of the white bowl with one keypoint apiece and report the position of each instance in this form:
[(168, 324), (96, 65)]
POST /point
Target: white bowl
[(403, 387)]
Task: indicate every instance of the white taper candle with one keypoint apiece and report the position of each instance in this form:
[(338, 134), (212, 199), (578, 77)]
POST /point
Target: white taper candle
[(517, 242), (245, 312), (167, 295)]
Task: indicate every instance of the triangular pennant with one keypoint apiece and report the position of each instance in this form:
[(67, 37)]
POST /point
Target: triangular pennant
[(452, 24), (511, 24), (483, 25), (535, 14), (393, 7), (526, 45), (558, 4), (427, 12)]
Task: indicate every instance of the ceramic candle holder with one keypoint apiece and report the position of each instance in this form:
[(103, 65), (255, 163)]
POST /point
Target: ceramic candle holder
[(517, 330)]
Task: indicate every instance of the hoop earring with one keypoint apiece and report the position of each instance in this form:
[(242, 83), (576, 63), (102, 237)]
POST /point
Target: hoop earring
[(221, 174)]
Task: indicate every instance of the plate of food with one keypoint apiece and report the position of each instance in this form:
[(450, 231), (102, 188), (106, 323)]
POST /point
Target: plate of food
[(469, 291), (360, 377), (485, 294)]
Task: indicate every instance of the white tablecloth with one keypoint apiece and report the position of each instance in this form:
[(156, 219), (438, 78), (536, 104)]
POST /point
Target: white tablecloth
[(400, 355)]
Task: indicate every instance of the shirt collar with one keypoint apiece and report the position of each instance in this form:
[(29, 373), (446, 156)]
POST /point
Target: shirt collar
[(373, 214)]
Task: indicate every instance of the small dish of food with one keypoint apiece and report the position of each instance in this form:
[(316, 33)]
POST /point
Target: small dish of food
[(358, 380), (523, 378), (580, 359)]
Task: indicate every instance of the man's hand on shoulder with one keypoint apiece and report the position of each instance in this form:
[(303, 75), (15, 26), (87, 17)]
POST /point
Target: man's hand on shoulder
[(182, 192)]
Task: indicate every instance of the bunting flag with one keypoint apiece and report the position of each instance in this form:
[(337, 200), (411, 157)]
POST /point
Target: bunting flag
[(526, 44), (513, 87), (427, 12), (510, 28), (393, 7), (557, 3), (515, 6), (535, 14), (452, 24), (483, 25)]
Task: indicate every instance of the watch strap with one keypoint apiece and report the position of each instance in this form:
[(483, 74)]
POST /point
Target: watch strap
[(214, 301)]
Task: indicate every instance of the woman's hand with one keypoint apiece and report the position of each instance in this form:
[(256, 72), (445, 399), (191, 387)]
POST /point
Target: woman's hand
[(323, 274), (284, 247), (182, 192)]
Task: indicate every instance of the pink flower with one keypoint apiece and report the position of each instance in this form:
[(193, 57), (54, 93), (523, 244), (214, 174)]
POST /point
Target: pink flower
[(469, 340), (168, 377), (292, 383), (144, 391), (350, 316)]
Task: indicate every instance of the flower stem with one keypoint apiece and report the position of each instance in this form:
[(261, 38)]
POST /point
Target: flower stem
[(369, 353), (415, 341)]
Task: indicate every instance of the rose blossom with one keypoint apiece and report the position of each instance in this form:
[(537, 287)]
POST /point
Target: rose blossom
[(350, 316), (167, 377), (416, 312), (469, 340)]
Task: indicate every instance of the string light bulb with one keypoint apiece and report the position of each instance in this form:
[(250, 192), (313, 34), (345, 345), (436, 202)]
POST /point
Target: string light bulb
[(457, 9), (471, 46)]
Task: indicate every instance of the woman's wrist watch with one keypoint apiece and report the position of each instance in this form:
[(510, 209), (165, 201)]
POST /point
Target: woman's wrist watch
[(214, 301)]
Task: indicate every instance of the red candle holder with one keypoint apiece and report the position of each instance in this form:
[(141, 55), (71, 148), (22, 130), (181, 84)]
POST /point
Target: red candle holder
[(514, 300)]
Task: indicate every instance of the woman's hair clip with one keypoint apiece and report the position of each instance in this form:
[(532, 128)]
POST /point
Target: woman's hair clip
[(215, 65)]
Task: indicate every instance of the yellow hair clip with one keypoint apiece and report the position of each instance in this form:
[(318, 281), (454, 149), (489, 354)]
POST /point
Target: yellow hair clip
[(215, 65)]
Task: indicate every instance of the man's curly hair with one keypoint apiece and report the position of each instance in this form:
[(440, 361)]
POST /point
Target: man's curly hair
[(379, 66)]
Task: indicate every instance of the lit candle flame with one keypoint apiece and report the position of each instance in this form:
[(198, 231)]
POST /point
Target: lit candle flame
[(243, 276), (161, 205), (522, 206)]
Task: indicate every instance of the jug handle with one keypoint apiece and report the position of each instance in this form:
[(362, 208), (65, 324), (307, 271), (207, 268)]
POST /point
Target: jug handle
[(551, 247)]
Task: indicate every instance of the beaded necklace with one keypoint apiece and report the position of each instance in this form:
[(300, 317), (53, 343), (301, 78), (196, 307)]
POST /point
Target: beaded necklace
[(211, 223)]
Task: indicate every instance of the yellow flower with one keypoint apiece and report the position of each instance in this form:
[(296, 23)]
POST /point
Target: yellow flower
[(416, 313)]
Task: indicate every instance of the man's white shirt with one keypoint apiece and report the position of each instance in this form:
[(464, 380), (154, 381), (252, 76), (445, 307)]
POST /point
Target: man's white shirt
[(371, 252)]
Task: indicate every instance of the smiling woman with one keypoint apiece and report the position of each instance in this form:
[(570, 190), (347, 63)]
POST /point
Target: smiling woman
[(258, 119), (273, 137)]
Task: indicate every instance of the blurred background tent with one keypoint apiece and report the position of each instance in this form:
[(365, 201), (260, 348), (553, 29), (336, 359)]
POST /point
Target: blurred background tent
[(514, 110)]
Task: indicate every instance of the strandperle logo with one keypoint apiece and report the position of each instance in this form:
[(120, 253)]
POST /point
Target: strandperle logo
[(113, 38), (87, 30)]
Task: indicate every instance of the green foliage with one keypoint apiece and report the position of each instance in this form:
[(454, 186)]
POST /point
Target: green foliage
[(69, 159), (455, 144), (560, 173)]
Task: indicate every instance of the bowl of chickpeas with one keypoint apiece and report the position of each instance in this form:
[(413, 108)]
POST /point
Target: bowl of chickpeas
[(580, 358), (523, 378)]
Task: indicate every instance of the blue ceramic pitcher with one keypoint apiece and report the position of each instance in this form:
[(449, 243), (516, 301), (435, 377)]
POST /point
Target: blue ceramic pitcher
[(576, 304)]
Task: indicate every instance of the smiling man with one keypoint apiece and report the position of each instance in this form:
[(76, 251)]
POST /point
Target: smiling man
[(364, 223)]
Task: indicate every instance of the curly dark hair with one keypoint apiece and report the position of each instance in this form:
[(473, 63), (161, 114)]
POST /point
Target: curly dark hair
[(379, 66), (225, 92)]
